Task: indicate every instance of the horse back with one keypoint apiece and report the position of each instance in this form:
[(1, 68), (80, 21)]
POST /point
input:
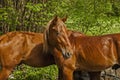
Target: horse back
[(96, 52), (35, 37), (17, 46)]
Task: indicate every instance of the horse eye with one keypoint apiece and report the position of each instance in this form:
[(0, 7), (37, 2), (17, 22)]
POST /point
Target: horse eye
[(57, 33)]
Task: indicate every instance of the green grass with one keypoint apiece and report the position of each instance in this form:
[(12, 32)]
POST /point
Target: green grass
[(30, 73)]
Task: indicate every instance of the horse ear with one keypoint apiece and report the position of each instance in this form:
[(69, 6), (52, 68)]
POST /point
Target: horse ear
[(54, 20), (64, 19)]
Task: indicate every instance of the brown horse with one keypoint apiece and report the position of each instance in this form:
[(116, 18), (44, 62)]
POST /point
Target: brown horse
[(22, 47), (77, 75), (87, 53)]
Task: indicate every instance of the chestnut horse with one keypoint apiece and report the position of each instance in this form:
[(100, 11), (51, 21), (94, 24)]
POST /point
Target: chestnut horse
[(88, 53), (22, 47)]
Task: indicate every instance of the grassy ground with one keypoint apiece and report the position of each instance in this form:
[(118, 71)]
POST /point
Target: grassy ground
[(24, 72)]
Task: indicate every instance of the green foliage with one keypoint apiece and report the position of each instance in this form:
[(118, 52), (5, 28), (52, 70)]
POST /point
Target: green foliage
[(86, 16), (93, 17), (8, 16), (34, 7), (29, 73)]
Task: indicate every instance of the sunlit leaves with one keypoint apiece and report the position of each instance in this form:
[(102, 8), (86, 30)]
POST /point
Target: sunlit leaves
[(34, 7)]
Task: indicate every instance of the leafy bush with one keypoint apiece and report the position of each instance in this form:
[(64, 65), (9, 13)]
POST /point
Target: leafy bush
[(24, 72)]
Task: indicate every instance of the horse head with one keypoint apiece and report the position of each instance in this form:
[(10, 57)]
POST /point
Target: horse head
[(56, 36)]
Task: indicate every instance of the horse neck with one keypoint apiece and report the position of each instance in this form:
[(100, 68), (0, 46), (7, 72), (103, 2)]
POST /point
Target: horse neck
[(46, 58), (39, 59)]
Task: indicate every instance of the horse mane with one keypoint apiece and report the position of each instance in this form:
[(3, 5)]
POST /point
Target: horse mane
[(45, 42), (45, 37)]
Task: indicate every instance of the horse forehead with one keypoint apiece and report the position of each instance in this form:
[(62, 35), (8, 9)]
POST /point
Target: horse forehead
[(61, 27)]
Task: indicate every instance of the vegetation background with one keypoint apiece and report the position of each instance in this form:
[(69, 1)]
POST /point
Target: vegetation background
[(92, 17)]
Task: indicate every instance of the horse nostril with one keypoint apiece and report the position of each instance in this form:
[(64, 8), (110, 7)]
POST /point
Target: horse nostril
[(66, 54)]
